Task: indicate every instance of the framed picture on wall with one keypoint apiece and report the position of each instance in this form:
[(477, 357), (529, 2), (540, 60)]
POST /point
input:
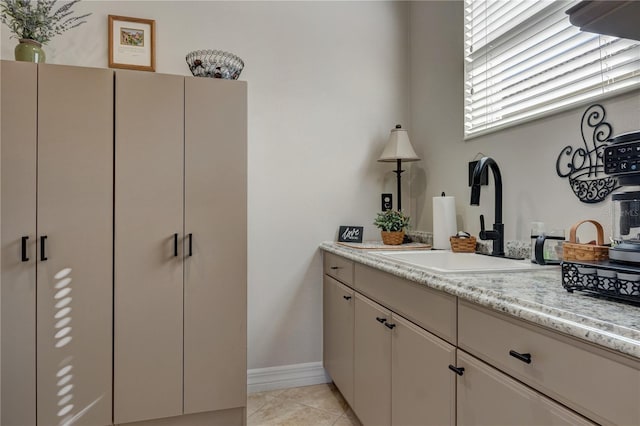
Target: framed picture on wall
[(132, 43)]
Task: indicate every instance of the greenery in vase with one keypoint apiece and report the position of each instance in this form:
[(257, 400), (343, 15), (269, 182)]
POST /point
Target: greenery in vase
[(391, 221), (37, 20)]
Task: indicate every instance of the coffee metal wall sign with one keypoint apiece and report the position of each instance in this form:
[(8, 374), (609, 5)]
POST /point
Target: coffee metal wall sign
[(584, 165)]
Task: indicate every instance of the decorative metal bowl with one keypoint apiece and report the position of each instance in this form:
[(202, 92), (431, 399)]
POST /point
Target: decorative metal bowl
[(214, 64)]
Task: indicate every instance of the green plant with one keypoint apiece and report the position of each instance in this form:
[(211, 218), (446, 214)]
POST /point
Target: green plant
[(37, 20), (391, 221)]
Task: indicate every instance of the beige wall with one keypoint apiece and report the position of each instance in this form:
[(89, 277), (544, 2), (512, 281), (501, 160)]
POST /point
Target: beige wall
[(526, 154), (0, 257), (327, 81)]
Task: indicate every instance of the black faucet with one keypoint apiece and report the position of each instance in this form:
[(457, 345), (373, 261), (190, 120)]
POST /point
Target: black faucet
[(497, 233)]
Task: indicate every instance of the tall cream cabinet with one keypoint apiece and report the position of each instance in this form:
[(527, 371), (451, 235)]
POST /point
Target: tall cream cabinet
[(57, 243), (180, 247), (148, 290), (215, 232), (124, 222)]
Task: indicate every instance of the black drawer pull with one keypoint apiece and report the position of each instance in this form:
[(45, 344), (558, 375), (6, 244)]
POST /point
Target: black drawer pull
[(190, 245), (346, 297), (43, 252), (334, 267), (458, 370), (175, 245), (522, 357), (24, 249), (381, 320), (389, 325)]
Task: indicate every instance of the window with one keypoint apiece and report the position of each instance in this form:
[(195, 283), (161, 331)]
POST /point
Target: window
[(523, 59)]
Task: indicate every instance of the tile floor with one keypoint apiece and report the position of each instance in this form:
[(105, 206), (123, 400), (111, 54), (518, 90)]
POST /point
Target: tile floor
[(317, 405)]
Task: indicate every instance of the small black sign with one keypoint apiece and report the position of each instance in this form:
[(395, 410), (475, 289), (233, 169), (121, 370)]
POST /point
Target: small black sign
[(350, 234)]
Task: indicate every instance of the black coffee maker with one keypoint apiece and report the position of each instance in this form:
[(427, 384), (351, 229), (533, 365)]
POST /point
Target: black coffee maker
[(622, 160)]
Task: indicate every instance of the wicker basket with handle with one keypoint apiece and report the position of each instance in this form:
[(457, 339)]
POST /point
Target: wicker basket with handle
[(572, 250), (463, 245)]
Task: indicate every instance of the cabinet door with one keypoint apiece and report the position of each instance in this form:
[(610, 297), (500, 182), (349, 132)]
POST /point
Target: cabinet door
[(488, 397), (19, 131), (75, 213), (215, 296), (422, 387), (337, 317), (372, 363), (148, 272)]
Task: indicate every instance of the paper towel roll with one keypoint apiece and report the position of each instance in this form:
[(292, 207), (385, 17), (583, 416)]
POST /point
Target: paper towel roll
[(444, 221)]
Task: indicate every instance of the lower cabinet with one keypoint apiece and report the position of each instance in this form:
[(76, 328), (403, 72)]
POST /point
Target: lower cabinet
[(598, 384), (423, 389), (486, 396), (372, 362), (501, 371), (400, 370), (338, 314)]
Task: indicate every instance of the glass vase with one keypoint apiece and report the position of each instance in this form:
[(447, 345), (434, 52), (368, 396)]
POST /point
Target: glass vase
[(29, 50)]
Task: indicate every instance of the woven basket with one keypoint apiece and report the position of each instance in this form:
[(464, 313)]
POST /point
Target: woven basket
[(463, 245), (572, 250), (392, 238)]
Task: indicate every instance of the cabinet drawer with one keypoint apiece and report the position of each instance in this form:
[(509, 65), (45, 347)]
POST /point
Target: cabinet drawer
[(432, 310), (487, 396), (338, 268), (599, 384)]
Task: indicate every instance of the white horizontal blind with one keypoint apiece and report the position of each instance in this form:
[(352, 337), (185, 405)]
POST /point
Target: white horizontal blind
[(523, 59)]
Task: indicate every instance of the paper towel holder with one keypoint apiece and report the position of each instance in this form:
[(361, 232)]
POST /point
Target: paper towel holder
[(444, 221), (398, 149)]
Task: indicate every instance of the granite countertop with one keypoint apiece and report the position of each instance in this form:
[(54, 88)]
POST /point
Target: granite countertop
[(537, 297)]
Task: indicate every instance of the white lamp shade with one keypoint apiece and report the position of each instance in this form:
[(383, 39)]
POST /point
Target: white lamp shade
[(399, 147)]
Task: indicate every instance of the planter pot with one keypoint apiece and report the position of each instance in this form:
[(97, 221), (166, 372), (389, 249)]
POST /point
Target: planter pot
[(392, 238), (29, 51)]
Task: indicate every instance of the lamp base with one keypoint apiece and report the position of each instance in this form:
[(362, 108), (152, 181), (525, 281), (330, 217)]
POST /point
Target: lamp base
[(398, 172)]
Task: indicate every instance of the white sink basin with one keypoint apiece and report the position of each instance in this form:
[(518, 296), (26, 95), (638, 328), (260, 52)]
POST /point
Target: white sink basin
[(449, 262)]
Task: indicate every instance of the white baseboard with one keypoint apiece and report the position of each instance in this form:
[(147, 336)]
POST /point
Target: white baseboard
[(286, 376)]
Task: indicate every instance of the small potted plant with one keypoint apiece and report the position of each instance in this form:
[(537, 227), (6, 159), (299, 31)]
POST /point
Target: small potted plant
[(392, 224), (35, 23)]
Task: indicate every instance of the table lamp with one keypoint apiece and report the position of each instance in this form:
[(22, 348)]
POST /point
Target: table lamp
[(397, 150)]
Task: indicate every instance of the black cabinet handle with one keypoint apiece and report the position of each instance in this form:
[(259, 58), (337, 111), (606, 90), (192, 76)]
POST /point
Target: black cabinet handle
[(458, 370), (334, 267), (190, 245), (381, 320), (522, 357), (43, 240), (346, 297), (24, 249), (175, 244), (390, 326)]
